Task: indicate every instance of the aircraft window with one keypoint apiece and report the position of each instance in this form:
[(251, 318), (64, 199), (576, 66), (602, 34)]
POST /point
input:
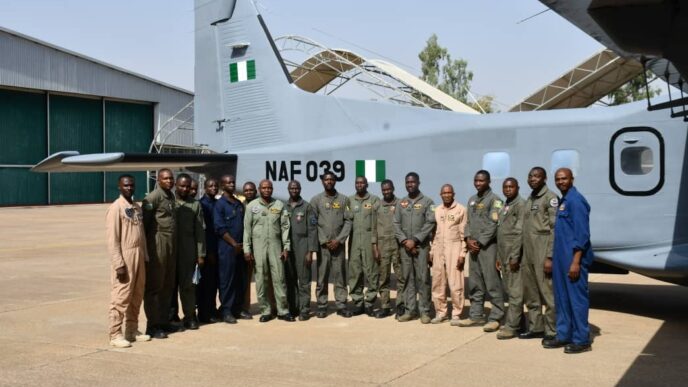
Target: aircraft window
[(637, 160), (497, 163), (565, 158)]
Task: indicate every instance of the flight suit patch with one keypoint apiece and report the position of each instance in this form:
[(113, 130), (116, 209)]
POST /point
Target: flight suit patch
[(327, 205), (367, 206), (148, 206), (355, 208), (562, 207), (255, 210), (274, 210), (336, 205), (495, 216), (417, 206), (534, 207), (471, 203), (450, 217), (299, 216), (480, 206), (497, 204), (554, 202), (433, 208), (314, 221), (404, 203)]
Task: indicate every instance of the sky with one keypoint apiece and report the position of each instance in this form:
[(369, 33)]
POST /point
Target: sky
[(509, 60)]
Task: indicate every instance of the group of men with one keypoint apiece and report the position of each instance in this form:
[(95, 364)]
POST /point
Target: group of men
[(514, 248)]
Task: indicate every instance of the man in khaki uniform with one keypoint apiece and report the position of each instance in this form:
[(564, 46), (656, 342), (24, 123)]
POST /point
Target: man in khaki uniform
[(190, 247), (483, 277), (414, 221), (448, 254), (387, 251), (304, 242), (126, 241), (509, 237), (266, 243), (538, 242), (159, 220), (361, 245), (332, 210)]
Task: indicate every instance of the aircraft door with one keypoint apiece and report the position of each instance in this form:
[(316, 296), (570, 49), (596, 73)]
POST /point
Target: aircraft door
[(636, 161)]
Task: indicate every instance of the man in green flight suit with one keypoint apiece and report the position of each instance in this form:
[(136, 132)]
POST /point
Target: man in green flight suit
[(190, 247), (481, 238), (414, 221), (304, 242), (332, 210), (159, 221), (538, 242), (266, 243), (509, 249), (387, 251), (362, 242)]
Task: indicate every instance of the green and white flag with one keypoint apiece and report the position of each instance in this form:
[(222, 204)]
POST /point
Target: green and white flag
[(242, 71), (373, 170)]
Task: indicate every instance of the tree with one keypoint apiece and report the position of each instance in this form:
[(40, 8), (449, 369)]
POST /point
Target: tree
[(449, 75), (633, 90)]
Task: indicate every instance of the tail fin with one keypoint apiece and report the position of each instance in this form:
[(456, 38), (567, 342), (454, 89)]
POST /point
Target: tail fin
[(239, 77)]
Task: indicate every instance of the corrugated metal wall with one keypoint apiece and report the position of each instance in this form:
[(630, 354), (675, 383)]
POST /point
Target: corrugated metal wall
[(32, 125), (24, 143), (47, 89), (76, 124), (29, 63), (127, 128)]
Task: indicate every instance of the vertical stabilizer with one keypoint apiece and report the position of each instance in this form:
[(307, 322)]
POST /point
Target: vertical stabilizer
[(239, 77)]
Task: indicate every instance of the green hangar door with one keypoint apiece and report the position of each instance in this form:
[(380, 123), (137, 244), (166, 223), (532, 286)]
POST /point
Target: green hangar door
[(76, 124), (23, 135), (128, 128)]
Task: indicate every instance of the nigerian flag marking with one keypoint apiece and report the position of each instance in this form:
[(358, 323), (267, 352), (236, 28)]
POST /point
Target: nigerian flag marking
[(373, 170), (242, 71)]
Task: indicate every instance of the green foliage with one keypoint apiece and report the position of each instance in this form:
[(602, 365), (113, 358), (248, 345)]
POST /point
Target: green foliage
[(633, 90), (449, 75)]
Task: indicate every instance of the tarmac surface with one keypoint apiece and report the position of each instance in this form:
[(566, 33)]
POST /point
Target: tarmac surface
[(54, 282)]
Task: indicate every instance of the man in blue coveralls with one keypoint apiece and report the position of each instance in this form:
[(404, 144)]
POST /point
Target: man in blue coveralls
[(571, 260), (206, 291), (228, 217)]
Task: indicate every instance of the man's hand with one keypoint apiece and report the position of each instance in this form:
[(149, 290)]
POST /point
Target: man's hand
[(472, 246), (238, 248), (514, 265), (200, 261), (248, 257), (284, 255), (430, 257), (409, 244), (498, 265), (376, 253), (548, 267), (121, 274), (333, 245), (308, 259), (461, 262), (574, 271)]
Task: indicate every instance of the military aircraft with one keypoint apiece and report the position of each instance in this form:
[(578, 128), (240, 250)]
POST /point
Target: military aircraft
[(628, 161)]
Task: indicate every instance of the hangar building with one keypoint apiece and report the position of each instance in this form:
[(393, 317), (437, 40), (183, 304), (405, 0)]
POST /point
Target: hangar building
[(53, 99)]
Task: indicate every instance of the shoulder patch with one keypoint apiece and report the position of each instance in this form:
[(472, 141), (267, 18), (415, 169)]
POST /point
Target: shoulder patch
[(433, 208), (148, 206), (554, 202), (497, 204)]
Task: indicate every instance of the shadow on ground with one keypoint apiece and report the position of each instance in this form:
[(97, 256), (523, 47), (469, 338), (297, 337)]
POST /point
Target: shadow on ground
[(664, 360)]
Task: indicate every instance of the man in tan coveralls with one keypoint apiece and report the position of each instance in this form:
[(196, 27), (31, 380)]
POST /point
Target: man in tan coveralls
[(538, 242), (190, 247), (126, 241), (362, 242), (448, 254), (267, 244), (509, 248), (387, 251), (159, 221)]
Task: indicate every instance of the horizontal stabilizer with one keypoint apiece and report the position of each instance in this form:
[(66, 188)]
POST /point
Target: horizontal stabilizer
[(71, 161)]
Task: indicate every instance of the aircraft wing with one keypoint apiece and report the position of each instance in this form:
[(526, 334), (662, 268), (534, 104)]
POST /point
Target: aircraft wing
[(654, 32), (72, 161)]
